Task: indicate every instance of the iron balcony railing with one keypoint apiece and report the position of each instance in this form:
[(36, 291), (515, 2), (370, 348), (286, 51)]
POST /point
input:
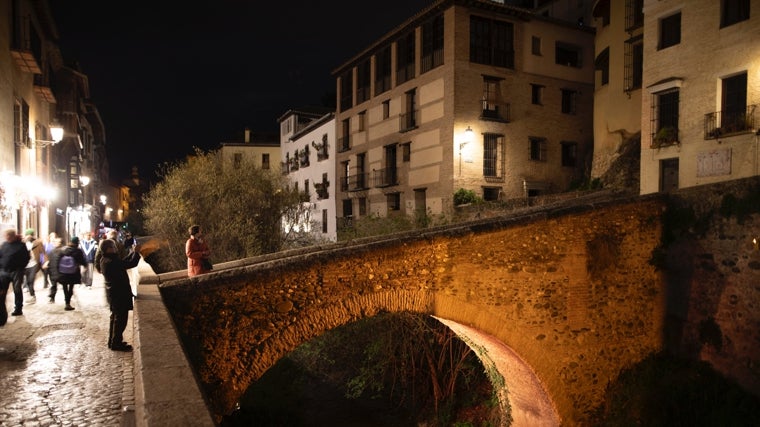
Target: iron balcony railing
[(730, 122), (385, 177), (495, 111), (344, 144), (409, 121), (354, 182)]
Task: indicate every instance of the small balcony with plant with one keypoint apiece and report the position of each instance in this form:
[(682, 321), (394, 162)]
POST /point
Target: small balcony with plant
[(665, 137), (720, 124)]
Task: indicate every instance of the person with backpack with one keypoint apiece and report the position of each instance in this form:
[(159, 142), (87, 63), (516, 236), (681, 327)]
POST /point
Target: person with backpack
[(88, 245), (13, 259), (65, 268)]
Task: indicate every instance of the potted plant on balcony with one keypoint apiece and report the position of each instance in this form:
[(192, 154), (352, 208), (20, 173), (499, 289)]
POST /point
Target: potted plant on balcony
[(666, 135)]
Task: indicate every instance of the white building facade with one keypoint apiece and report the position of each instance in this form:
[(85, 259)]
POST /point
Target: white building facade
[(307, 144)]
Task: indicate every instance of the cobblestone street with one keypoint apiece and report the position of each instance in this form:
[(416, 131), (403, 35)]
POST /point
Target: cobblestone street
[(55, 366)]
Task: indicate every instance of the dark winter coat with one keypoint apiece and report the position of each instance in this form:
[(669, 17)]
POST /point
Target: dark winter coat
[(13, 256), (68, 279), (118, 289)]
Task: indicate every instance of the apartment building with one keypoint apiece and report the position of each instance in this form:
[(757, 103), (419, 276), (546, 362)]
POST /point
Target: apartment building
[(476, 95), (262, 149), (307, 142), (701, 89)]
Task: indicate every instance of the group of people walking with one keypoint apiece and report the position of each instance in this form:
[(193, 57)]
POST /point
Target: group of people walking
[(67, 265)]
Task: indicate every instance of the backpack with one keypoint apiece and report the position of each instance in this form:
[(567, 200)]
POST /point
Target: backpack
[(67, 265)]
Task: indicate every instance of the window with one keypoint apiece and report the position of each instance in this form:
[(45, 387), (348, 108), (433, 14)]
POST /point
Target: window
[(405, 58), (569, 153), (409, 118), (567, 54), (733, 11), (344, 166), (670, 31), (665, 117), (361, 164), (602, 64), (491, 194), (537, 149), (492, 108), (21, 123), (344, 142), (491, 42), (394, 201), (634, 14), (348, 211), (361, 118), (569, 101), (363, 81), (535, 46), (536, 94), (432, 43), (634, 63), (346, 90), (386, 109), (237, 159), (265, 161), (602, 10), (324, 220), (420, 201), (362, 206), (383, 70), (734, 116), (493, 155), (406, 151)]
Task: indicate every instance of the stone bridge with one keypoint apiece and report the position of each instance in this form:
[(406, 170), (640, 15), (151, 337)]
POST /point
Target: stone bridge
[(555, 302)]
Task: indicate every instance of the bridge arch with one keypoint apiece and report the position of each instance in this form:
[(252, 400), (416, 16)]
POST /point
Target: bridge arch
[(522, 397), (522, 284)]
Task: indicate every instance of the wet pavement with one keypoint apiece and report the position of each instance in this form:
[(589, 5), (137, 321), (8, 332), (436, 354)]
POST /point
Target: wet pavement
[(56, 368)]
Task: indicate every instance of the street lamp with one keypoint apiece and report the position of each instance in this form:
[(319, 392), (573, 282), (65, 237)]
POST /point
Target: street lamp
[(56, 132)]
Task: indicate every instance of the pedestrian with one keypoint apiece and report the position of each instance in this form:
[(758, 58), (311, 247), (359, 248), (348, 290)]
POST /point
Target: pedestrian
[(65, 268), (118, 290), (197, 252), (51, 242), (13, 259), (35, 248), (89, 246), (111, 235)]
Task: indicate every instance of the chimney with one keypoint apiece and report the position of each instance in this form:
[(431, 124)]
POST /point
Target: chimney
[(247, 136)]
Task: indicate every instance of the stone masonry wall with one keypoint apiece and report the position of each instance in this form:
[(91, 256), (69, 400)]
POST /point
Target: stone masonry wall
[(569, 289)]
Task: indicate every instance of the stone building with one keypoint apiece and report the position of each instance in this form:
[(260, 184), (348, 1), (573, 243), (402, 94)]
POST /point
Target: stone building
[(701, 89), (475, 95), (50, 181)]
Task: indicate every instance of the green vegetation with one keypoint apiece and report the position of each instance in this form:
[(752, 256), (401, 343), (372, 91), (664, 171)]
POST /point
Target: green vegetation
[(463, 197), (239, 221)]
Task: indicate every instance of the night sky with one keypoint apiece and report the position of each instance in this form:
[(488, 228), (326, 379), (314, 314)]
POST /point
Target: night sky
[(166, 78)]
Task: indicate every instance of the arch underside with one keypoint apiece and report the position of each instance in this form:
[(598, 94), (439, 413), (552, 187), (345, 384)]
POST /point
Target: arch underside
[(523, 399)]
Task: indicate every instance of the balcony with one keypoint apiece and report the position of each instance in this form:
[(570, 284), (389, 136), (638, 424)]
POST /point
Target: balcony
[(409, 121), (321, 190), (354, 182), (385, 177), (721, 124), (495, 111), (665, 136), (26, 48), (42, 88), (344, 144)]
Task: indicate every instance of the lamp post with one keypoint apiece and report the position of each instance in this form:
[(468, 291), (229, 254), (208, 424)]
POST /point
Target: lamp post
[(56, 132), (466, 139)]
